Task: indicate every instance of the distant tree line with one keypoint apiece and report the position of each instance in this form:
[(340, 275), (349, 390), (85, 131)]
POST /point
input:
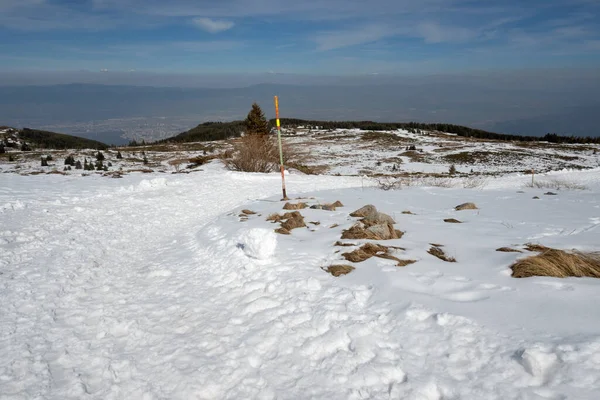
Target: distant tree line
[(52, 140), (459, 130), (209, 131)]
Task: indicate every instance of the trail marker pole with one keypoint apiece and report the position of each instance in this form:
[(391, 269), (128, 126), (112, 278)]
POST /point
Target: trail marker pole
[(532, 176), (280, 149)]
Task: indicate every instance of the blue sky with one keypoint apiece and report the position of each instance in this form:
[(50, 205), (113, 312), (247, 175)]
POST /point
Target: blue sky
[(326, 37)]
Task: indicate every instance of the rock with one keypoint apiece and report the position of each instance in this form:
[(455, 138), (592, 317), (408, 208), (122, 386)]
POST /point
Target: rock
[(466, 206), (368, 210), (384, 232)]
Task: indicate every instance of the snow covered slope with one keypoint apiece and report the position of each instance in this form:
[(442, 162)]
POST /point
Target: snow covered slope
[(153, 287)]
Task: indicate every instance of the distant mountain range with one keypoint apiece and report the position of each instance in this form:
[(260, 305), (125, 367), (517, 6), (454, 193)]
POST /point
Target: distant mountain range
[(531, 111)]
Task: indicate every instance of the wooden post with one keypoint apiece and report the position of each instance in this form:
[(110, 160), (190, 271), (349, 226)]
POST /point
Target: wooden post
[(280, 149)]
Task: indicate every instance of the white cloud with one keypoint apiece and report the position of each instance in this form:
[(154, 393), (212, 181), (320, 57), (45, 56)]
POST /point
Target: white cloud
[(435, 33), (346, 38), (213, 25)]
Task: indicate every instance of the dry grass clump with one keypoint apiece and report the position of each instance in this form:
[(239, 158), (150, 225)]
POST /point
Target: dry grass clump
[(558, 264), (466, 206), (248, 212), (342, 244), (452, 221), (339, 270), (404, 263), (294, 206), (508, 250), (408, 213), (369, 250), (536, 247), (289, 221), (365, 252), (327, 206), (439, 253)]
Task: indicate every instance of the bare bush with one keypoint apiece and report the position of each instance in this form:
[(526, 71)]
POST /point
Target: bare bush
[(259, 153), (556, 184), (253, 153)]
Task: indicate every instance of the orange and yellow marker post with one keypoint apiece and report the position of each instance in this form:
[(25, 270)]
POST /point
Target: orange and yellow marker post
[(280, 149)]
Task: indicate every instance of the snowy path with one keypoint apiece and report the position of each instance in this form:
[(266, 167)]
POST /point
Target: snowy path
[(129, 289)]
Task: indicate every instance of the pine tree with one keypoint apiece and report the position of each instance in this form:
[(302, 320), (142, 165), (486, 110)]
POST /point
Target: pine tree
[(44, 162), (100, 156), (2, 150), (119, 156), (256, 123), (145, 160), (78, 165)]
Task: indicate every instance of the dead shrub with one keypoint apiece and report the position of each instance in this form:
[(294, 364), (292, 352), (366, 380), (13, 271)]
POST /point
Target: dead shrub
[(439, 253), (452, 221), (253, 153), (508, 250), (260, 153), (558, 264), (294, 206), (466, 206), (339, 270)]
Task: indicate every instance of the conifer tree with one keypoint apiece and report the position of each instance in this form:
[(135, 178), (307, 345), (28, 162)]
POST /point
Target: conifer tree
[(119, 156), (256, 123)]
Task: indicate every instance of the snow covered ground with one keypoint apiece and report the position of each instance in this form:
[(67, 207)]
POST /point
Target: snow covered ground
[(153, 287)]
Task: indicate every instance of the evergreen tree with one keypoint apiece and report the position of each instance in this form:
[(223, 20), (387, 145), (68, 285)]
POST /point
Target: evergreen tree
[(119, 156), (78, 165), (25, 147), (2, 150), (145, 160), (44, 162), (99, 156), (256, 123)]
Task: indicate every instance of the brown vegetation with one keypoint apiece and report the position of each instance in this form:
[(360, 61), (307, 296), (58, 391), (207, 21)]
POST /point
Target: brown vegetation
[(339, 270), (294, 206), (439, 253), (508, 250), (289, 221), (558, 264), (452, 221), (369, 250)]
